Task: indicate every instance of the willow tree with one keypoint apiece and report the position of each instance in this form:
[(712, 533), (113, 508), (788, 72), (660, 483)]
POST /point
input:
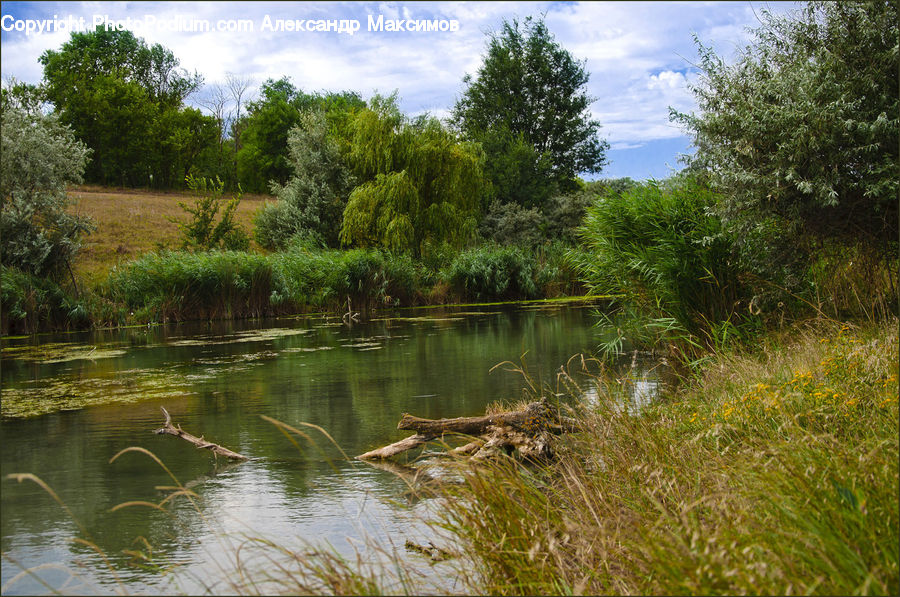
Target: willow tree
[(421, 185)]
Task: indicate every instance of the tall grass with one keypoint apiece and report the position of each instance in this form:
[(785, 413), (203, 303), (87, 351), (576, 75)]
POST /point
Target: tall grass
[(231, 284), (776, 474), (492, 272), (28, 302), (669, 260)]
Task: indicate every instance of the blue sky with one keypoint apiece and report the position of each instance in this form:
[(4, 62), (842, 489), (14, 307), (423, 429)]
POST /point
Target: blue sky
[(639, 54)]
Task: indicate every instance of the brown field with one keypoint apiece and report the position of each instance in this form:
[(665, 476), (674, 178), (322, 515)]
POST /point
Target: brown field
[(133, 222)]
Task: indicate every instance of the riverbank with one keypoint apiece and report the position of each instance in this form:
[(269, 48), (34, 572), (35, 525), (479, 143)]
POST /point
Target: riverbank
[(772, 472)]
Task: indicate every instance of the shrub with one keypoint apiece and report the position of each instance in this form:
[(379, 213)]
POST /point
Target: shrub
[(512, 224), (39, 157), (29, 303), (201, 231)]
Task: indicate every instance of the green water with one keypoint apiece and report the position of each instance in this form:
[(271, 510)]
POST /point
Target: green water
[(71, 402)]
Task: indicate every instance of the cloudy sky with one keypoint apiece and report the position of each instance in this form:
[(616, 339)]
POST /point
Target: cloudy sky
[(639, 55)]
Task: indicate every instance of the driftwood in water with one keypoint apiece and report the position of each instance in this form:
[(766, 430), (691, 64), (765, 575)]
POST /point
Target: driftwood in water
[(201, 443), (527, 431), (403, 445)]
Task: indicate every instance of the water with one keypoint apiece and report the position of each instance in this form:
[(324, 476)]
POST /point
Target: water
[(71, 402)]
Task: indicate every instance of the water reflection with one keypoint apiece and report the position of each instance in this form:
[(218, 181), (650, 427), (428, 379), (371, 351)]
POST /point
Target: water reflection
[(216, 380)]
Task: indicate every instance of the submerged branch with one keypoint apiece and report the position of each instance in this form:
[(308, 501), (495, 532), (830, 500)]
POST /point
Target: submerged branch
[(201, 443)]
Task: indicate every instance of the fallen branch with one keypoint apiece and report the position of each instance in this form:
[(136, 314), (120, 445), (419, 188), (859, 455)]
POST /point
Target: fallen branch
[(201, 443)]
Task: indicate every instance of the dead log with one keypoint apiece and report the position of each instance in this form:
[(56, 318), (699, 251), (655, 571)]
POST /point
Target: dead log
[(536, 415), (397, 447), (201, 443), (527, 431)]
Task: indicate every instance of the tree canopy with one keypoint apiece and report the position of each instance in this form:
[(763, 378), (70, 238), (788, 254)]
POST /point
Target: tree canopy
[(138, 91), (263, 157), (802, 130), (420, 183), (529, 107)]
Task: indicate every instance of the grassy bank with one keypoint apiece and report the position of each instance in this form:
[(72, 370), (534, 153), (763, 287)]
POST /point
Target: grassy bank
[(131, 223), (164, 286), (773, 473)]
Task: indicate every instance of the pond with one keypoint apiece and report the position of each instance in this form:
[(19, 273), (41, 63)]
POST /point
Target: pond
[(70, 402)]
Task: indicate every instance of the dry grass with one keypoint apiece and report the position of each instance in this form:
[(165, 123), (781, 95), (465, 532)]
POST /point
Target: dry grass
[(774, 474), (131, 223)]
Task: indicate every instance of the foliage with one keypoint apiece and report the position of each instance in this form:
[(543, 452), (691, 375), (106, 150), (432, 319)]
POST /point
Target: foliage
[(139, 91), (801, 134), (529, 108), (313, 200), (29, 303), (23, 96), (776, 472), (202, 231), (263, 157), (420, 184), (668, 259), (492, 272), (39, 157), (174, 286), (512, 224)]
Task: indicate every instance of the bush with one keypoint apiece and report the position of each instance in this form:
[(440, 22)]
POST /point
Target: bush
[(202, 232), (38, 158), (512, 224), (493, 272)]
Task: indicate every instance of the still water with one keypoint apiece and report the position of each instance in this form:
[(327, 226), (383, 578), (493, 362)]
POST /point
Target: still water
[(71, 402)]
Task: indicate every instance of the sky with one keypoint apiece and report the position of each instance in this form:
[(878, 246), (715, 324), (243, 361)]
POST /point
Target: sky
[(640, 55)]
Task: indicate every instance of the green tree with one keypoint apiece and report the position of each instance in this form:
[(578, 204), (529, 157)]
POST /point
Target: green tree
[(115, 91), (263, 157), (312, 202), (420, 183), (39, 157), (529, 107), (800, 134)]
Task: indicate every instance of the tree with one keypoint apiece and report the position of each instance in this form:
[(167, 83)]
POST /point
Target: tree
[(113, 90), (263, 157), (39, 157), (800, 134), (529, 108), (420, 183), (312, 202)]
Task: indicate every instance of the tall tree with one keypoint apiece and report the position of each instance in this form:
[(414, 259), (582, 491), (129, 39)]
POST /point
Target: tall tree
[(421, 184), (529, 107), (111, 88), (263, 156), (312, 202), (802, 130)]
